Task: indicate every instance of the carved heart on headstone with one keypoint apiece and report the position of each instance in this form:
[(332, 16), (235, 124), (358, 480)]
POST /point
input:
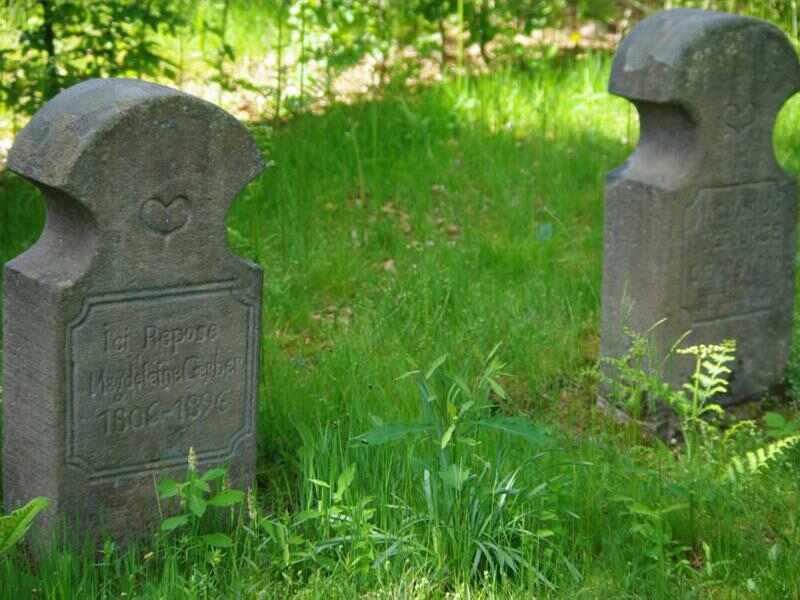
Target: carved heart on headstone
[(165, 218), (738, 116)]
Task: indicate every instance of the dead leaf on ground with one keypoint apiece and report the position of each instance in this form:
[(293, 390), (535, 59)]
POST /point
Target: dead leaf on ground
[(333, 315), (453, 230)]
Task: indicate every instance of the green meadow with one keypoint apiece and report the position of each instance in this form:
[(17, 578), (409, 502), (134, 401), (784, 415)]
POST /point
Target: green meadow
[(433, 257)]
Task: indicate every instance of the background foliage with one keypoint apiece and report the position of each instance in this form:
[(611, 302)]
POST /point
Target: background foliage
[(47, 45)]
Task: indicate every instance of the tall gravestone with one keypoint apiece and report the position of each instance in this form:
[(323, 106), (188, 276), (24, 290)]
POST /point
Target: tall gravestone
[(131, 333), (700, 221)]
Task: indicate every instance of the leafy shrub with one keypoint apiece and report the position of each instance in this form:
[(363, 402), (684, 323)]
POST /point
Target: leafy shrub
[(63, 42)]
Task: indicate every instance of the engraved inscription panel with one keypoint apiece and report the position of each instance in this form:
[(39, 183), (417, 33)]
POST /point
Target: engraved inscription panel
[(153, 373), (738, 252)]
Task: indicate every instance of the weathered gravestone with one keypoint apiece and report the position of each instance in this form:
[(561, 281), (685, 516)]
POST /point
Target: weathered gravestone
[(700, 221), (131, 331)]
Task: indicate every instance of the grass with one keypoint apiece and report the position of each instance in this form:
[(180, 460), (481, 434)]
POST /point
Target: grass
[(445, 222)]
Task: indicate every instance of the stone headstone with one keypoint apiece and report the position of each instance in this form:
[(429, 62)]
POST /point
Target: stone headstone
[(131, 333), (700, 221)]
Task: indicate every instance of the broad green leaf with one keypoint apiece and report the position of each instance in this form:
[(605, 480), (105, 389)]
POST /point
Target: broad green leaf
[(197, 505), (227, 498), (390, 433), (200, 485), (306, 515), (448, 436), (455, 476), (217, 540), (344, 481), (774, 420), (519, 427), (168, 488), (14, 526), (174, 522), (213, 474)]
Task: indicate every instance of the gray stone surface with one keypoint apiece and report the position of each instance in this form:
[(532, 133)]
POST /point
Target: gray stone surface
[(131, 331), (700, 221)]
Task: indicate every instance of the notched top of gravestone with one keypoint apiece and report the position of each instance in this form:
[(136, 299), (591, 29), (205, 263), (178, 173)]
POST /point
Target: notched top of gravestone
[(108, 142), (687, 56)]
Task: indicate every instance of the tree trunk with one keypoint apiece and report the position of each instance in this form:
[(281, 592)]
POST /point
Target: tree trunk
[(51, 86)]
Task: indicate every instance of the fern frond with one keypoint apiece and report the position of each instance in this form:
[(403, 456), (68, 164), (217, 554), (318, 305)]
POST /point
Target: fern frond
[(756, 460), (738, 428)]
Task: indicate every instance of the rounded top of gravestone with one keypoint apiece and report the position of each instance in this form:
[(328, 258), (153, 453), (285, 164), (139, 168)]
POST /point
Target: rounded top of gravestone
[(706, 61), (113, 144)]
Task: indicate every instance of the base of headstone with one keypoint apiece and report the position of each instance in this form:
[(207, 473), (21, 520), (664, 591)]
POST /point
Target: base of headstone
[(665, 425)]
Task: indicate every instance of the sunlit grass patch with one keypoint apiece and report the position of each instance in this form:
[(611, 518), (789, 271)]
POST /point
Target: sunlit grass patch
[(443, 222)]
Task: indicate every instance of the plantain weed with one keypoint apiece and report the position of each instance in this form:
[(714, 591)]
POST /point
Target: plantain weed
[(194, 495)]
